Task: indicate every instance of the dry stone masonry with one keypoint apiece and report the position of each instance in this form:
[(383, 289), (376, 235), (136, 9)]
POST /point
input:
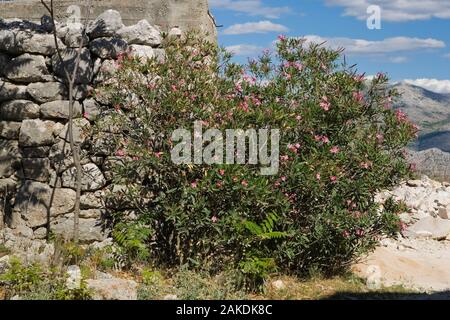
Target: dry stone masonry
[(186, 14), (37, 174)]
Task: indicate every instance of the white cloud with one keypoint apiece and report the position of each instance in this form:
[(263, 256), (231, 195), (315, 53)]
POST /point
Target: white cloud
[(245, 50), (399, 59), (440, 86), (255, 27), (250, 7), (396, 10), (367, 47)]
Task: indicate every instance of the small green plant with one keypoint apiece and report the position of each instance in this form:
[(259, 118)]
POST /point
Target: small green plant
[(152, 287), (150, 277), (265, 230), (81, 293), (4, 251), (73, 253), (20, 278), (256, 270), (131, 239), (254, 267)]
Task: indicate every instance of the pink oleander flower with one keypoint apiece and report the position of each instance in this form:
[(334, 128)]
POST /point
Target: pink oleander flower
[(324, 104), (194, 185), (85, 115), (359, 232), (346, 234), (222, 172), (244, 183), (219, 184), (244, 106), (120, 153), (401, 116), (358, 96), (284, 158), (323, 139), (380, 75), (158, 155), (359, 78), (365, 165), (283, 178), (380, 137), (282, 37), (287, 76), (135, 158), (334, 150), (249, 79), (357, 214), (333, 179), (403, 226), (293, 148), (214, 219), (238, 87), (318, 176), (174, 88), (298, 66), (256, 101), (298, 118)]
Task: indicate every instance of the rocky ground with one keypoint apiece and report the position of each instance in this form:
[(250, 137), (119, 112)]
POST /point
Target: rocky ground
[(420, 258)]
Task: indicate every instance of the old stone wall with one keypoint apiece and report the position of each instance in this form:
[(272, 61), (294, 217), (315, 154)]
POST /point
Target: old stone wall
[(186, 14), (37, 176)]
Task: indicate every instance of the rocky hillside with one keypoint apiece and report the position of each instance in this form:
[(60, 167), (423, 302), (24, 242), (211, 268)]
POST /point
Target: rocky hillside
[(432, 162), (431, 111)]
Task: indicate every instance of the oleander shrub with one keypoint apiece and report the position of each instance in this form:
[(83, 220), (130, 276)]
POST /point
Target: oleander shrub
[(340, 143)]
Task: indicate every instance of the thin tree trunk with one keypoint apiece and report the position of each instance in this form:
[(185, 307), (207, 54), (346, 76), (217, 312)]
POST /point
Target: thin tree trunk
[(77, 162), (70, 79)]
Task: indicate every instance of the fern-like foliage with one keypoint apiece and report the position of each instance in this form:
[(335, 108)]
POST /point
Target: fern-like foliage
[(131, 239), (265, 230)]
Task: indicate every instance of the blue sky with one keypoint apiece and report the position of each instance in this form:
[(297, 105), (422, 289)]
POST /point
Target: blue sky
[(413, 42)]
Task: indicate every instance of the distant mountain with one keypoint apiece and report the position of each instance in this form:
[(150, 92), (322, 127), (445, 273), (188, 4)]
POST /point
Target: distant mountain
[(430, 111)]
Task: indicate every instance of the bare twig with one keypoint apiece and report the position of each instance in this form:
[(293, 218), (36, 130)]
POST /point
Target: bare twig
[(71, 78)]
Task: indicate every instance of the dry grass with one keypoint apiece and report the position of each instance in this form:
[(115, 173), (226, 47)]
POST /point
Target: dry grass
[(192, 286), (343, 287)]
